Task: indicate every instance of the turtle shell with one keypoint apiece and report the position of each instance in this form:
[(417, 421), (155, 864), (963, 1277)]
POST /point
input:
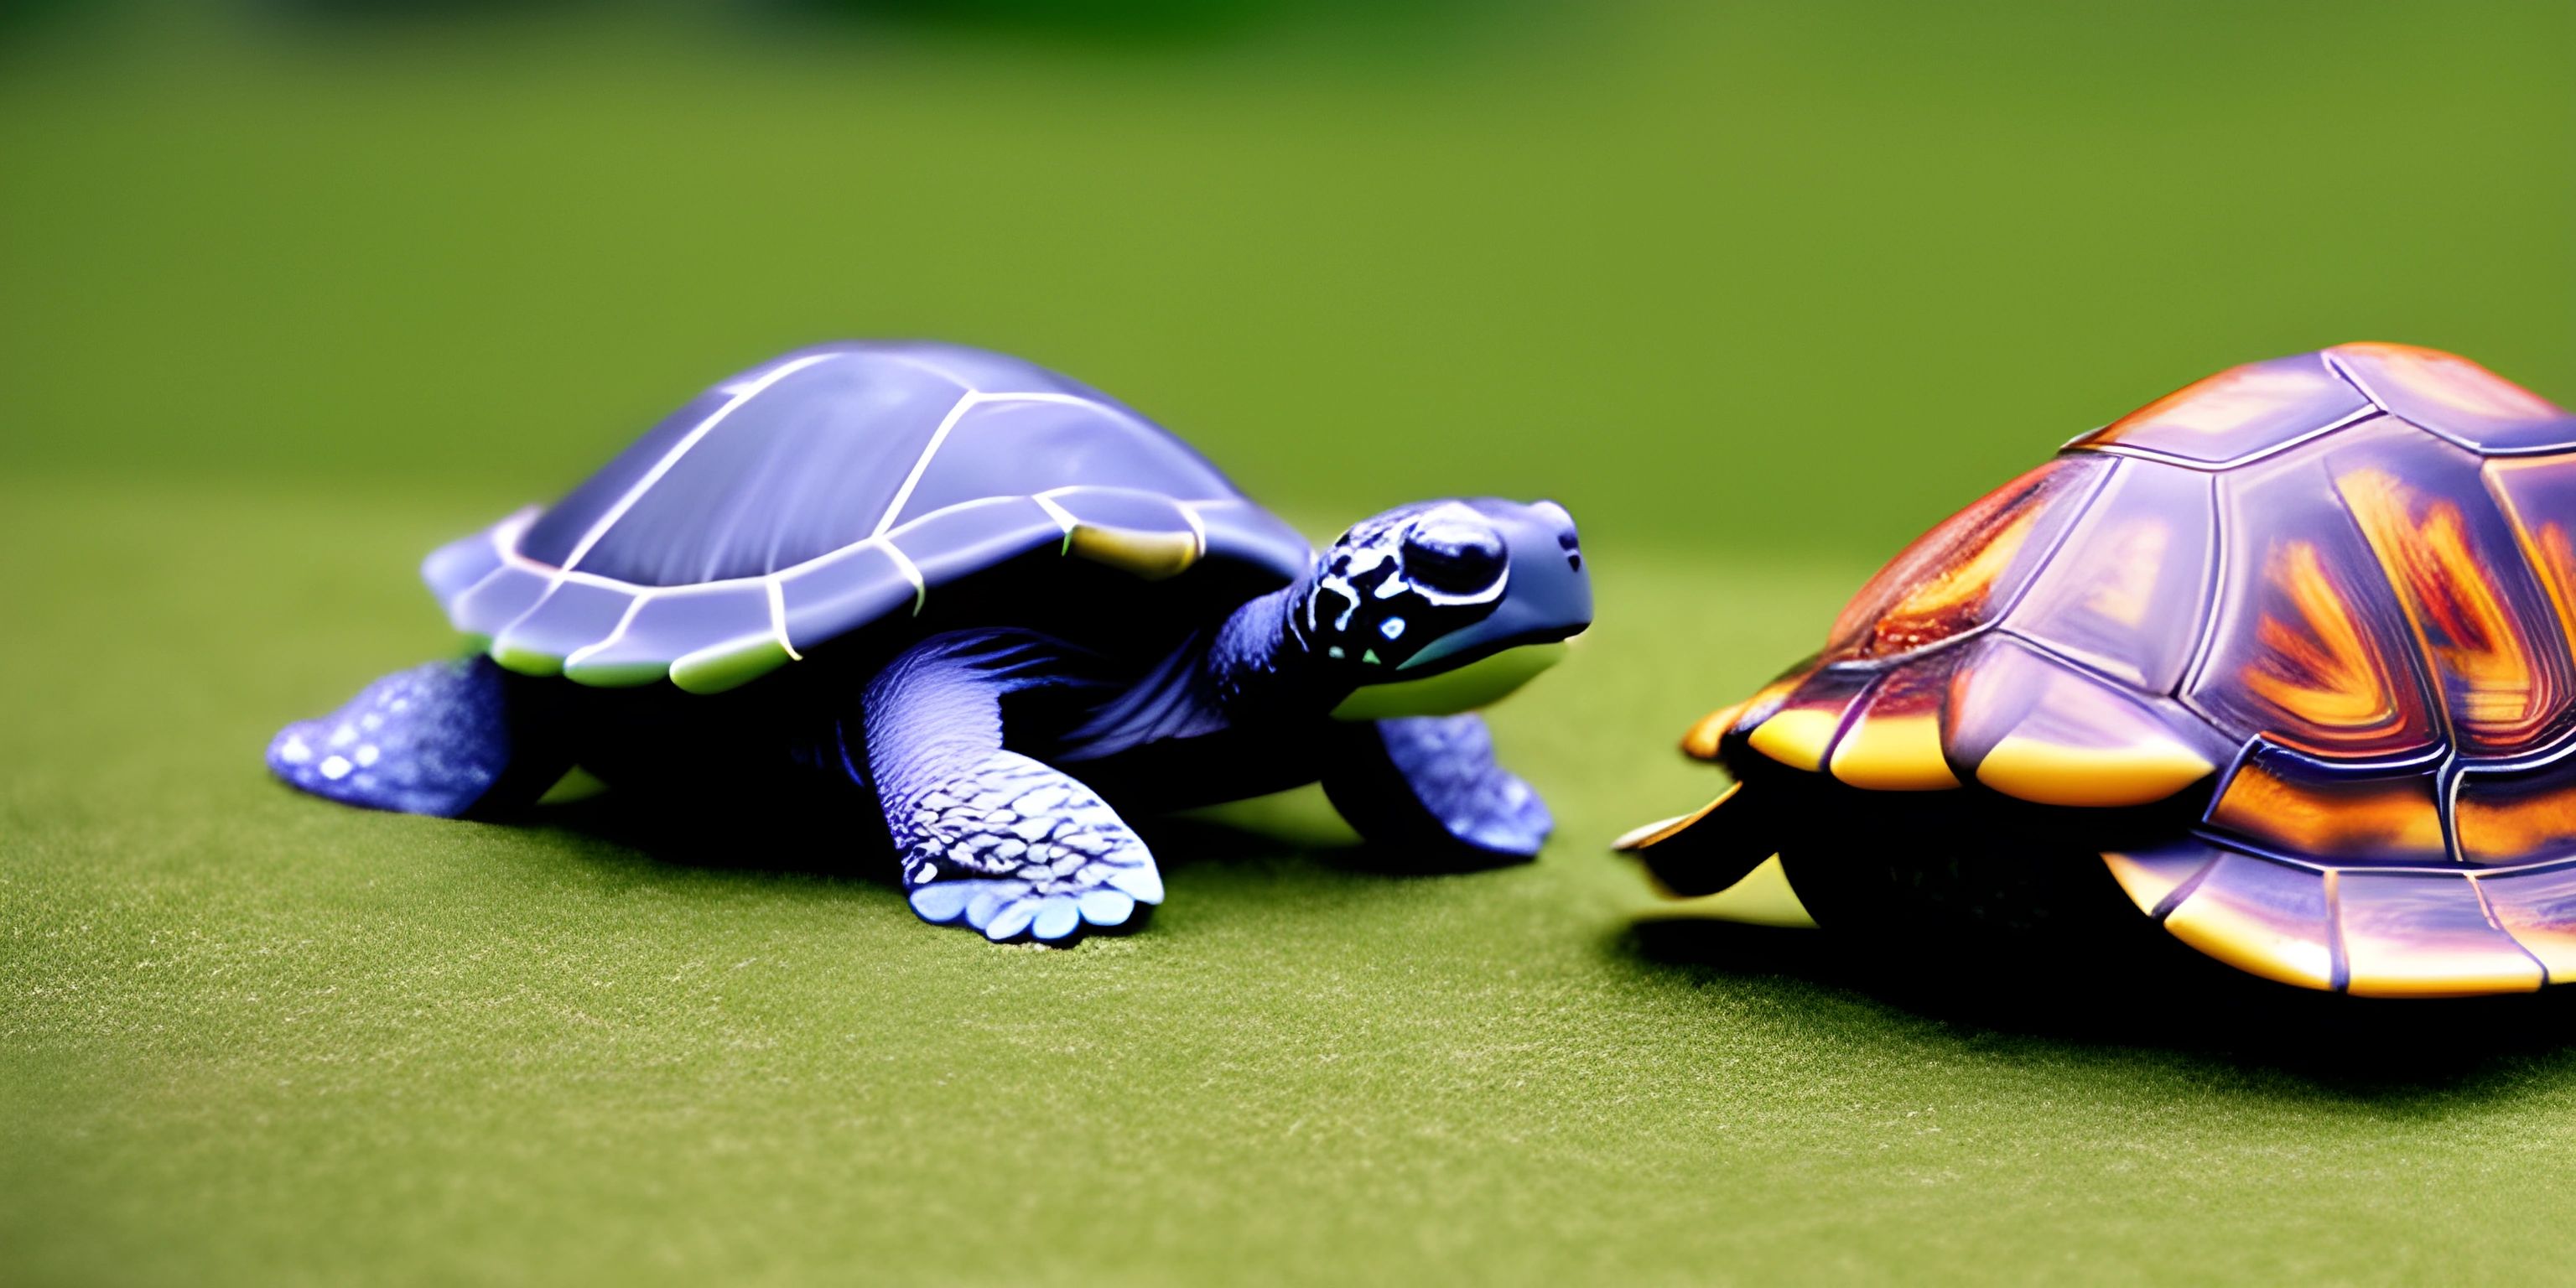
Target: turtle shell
[(831, 488), (2335, 592)]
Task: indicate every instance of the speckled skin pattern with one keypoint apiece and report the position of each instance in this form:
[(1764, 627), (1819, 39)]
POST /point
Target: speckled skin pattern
[(2319, 607), (420, 741), (986, 835), (980, 601), (1457, 789)]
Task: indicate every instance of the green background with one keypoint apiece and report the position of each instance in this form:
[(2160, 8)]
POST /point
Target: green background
[(291, 292)]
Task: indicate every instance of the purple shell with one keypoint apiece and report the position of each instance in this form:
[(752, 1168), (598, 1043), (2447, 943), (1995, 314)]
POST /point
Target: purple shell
[(825, 490)]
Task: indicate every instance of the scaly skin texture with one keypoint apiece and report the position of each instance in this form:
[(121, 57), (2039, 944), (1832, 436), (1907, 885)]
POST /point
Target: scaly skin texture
[(1431, 784), (443, 738), (1013, 845), (1007, 844), (1259, 660)]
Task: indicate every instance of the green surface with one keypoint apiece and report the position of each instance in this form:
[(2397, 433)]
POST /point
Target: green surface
[(282, 306)]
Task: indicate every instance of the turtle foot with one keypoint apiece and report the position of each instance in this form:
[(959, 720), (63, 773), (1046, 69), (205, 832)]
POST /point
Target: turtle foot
[(1005, 910), (1429, 785), (1018, 850), (1503, 816), (431, 740)]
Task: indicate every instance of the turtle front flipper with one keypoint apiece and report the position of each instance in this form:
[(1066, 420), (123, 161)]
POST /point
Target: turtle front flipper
[(1430, 783), (452, 739), (1004, 843)]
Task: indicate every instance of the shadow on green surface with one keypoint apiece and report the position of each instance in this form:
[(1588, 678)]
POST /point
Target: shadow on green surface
[(809, 839), (2142, 994)]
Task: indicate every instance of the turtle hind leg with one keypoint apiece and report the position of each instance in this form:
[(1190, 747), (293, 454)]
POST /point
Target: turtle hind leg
[(1430, 783), (995, 840), (452, 739)]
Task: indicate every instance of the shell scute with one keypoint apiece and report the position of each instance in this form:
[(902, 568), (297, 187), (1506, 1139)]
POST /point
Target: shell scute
[(2295, 805), (491, 604), (1239, 532), (2482, 619), (2309, 645), (2127, 591), (561, 528), (2538, 498), (2153, 876), (2424, 934), (2456, 398), (667, 627), (2518, 816), (965, 368), (2033, 728), (2537, 906), (802, 466), (861, 584), (1968, 570), (1118, 507), (1992, 708), (1711, 734), (452, 569), (1083, 444), (2269, 919), (2240, 413), (1893, 742), (1801, 731), (570, 615), (955, 541)]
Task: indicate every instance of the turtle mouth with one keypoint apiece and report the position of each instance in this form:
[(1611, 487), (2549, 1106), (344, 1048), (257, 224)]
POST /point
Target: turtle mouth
[(1486, 679), (1421, 664)]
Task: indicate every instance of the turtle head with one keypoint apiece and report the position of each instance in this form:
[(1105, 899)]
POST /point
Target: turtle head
[(1444, 606)]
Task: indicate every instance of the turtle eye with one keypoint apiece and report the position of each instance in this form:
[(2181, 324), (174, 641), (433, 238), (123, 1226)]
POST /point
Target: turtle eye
[(1453, 563)]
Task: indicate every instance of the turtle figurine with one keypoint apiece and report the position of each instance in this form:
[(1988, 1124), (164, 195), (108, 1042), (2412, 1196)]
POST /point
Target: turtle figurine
[(2281, 660), (979, 602)]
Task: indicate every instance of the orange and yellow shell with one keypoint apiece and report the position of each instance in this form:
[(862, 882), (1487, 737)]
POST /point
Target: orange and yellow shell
[(2339, 588)]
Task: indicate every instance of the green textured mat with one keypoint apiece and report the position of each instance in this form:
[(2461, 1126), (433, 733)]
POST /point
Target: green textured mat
[(246, 1035)]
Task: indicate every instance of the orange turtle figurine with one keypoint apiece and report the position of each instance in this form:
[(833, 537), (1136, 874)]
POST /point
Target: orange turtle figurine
[(2284, 657)]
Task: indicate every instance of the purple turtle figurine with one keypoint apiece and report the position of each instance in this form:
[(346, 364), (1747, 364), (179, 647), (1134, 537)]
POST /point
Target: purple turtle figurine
[(980, 602), (2282, 657)]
